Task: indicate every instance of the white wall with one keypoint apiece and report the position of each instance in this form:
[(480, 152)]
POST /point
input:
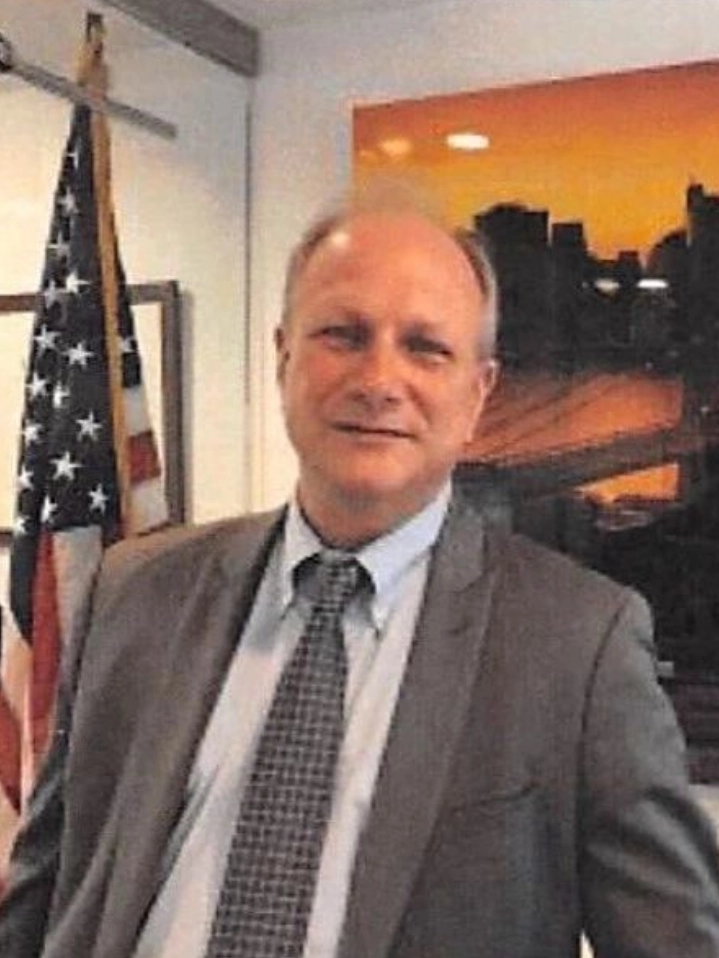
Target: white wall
[(180, 210), (313, 75)]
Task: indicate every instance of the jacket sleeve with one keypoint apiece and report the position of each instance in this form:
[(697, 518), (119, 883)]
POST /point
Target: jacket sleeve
[(649, 867)]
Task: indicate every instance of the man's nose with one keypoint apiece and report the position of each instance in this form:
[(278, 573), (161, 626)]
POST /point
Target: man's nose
[(379, 372)]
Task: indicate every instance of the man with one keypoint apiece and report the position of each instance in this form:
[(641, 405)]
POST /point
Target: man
[(509, 772)]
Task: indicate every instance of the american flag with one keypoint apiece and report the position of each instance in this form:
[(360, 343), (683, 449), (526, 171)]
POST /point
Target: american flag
[(88, 472)]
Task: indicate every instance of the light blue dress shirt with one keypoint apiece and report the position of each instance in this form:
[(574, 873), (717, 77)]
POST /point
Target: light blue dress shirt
[(378, 631)]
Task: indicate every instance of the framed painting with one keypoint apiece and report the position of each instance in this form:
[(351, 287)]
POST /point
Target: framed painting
[(599, 200), (156, 308)]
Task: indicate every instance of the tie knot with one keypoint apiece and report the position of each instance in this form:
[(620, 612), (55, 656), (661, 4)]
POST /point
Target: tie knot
[(338, 580)]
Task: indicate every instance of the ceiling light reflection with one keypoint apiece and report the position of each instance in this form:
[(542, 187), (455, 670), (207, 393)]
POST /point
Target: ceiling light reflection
[(396, 147), (467, 140)]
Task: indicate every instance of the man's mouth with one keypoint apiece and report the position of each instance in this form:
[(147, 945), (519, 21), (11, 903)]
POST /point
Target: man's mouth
[(363, 429)]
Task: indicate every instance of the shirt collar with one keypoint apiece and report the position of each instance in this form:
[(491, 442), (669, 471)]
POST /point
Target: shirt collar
[(386, 559)]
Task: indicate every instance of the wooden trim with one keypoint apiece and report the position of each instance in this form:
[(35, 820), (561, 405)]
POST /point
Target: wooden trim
[(168, 295), (202, 27)]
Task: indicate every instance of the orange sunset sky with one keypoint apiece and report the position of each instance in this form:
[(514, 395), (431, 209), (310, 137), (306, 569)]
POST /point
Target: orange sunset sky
[(616, 151)]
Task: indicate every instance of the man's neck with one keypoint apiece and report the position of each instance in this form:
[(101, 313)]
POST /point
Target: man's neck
[(350, 527)]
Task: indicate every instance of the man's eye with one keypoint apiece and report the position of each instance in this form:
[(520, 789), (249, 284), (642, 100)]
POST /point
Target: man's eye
[(427, 346), (342, 335)]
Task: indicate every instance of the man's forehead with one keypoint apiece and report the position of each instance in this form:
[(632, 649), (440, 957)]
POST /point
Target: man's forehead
[(360, 269), (362, 234)]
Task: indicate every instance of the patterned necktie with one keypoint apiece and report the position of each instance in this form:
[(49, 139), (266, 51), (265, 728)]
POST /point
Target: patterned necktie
[(268, 886)]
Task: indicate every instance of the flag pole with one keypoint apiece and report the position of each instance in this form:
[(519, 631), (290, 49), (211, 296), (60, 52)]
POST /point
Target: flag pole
[(92, 73)]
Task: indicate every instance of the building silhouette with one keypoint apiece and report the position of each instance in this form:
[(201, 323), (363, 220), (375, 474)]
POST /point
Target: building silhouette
[(562, 304)]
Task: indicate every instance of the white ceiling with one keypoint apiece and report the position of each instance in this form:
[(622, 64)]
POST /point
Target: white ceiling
[(269, 13)]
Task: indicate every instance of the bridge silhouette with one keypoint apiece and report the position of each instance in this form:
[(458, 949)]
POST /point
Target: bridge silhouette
[(545, 433)]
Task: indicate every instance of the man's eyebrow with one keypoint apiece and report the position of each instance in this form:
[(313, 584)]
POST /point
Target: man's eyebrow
[(434, 326)]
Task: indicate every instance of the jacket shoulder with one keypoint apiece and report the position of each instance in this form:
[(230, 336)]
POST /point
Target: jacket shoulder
[(186, 547), (555, 579)]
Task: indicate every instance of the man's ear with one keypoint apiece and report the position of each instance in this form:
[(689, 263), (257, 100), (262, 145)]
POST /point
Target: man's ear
[(487, 374), (281, 352)]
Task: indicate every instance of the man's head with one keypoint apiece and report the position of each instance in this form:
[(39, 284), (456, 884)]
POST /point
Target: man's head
[(384, 363)]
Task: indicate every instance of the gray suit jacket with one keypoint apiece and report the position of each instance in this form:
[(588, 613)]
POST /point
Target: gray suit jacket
[(533, 783)]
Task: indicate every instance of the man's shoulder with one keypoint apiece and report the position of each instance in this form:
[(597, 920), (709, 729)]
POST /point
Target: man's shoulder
[(531, 570), (525, 567), (188, 546)]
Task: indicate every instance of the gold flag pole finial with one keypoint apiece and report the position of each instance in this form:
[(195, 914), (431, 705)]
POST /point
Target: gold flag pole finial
[(92, 70)]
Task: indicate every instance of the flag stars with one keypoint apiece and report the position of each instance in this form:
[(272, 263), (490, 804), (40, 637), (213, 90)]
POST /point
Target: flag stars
[(52, 294), (24, 478), (67, 476), (59, 394), (48, 510), (65, 467), (45, 339), (31, 432), (60, 248), (98, 499), (89, 427), (74, 156), (19, 527), (68, 203), (73, 283), (37, 386), (79, 355)]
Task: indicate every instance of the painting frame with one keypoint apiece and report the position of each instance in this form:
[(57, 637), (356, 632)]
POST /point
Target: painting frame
[(539, 483)]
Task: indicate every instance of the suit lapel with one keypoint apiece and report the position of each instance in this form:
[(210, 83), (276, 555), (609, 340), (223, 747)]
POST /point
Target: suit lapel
[(433, 701), (158, 766)]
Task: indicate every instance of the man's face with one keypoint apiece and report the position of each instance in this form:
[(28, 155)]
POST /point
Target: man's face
[(379, 372)]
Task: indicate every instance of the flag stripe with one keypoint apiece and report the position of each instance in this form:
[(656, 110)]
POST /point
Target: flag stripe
[(46, 645), (144, 461), (136, 414), (76, 553), (149, 504), (10, 739)]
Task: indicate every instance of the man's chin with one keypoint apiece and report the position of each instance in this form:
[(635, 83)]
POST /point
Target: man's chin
[(373, 486), (386, 494)]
